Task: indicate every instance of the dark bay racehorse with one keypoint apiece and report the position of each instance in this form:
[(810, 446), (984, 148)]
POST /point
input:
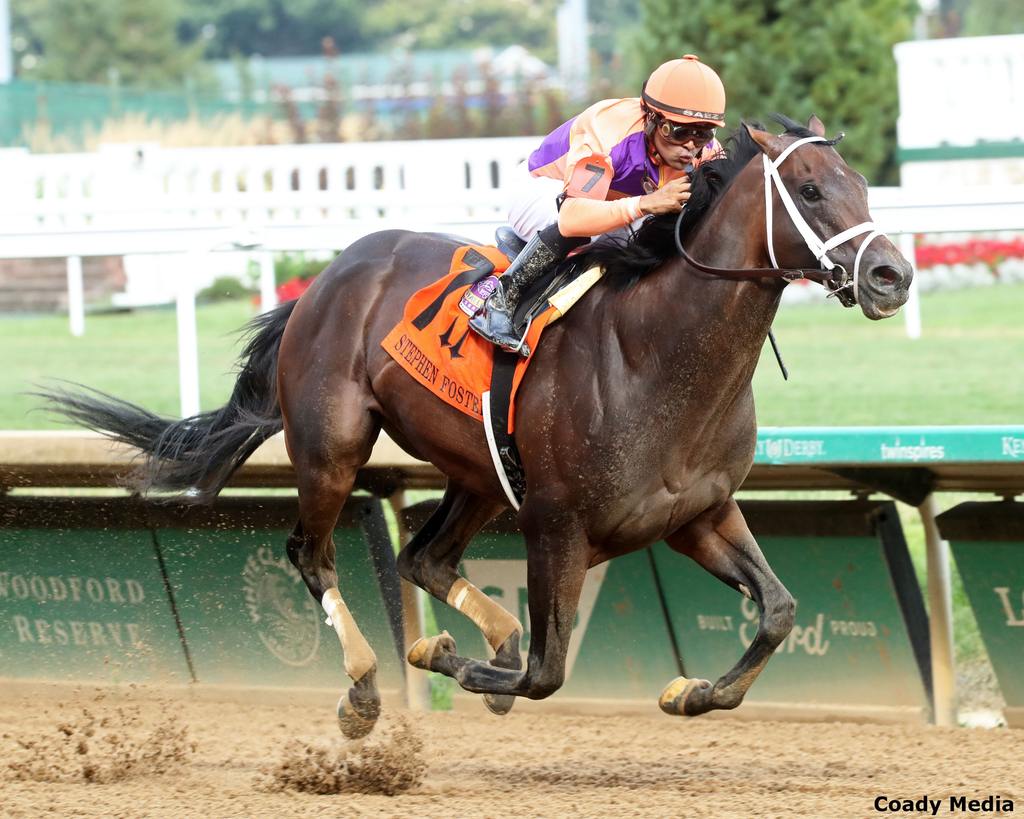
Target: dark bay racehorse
[(635, 421)]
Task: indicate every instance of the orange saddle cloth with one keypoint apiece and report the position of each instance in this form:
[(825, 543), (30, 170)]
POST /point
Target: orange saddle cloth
[(435, 345)]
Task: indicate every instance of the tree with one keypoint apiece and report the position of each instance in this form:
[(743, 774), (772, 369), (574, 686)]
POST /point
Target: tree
[(614, 25), (91, 40), (832, 58), (458, 24), (994, 17), (616, 62), (27, 17), (274, 28), (974, 18)]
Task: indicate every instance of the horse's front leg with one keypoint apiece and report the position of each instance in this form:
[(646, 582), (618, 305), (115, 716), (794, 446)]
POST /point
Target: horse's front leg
[(557, 560), (431, 559), (720, 541)]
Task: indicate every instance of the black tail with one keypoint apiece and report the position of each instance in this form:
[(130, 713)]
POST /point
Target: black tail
[(202, 452)]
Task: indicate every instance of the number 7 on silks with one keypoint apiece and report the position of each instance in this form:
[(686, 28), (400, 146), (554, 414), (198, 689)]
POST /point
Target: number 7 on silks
[(591, 178)]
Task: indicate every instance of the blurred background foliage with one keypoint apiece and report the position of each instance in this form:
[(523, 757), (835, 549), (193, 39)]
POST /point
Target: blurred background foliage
[(829, 57), (832, 58)]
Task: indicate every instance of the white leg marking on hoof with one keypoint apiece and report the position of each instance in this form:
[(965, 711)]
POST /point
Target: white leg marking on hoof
[(490, 617), (359, 657)]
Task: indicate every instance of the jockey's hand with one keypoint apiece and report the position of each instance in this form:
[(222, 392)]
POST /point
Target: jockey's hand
[(667, 199)]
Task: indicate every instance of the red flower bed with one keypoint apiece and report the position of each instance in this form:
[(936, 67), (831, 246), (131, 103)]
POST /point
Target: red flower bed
[(989, 252), (293, 288)]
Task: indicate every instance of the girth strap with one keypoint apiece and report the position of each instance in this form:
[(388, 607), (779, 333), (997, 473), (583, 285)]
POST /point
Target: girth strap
[(504, 452)]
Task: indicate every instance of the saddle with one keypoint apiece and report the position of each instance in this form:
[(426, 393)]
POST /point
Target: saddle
[(508, 242), (434, 344)]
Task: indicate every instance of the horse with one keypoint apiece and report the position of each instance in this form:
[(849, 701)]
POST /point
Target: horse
[(635, 420)]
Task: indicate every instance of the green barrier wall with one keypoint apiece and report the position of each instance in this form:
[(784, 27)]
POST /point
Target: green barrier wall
[(861, 635), (245, 611), (85, 604), (987, 540), (118, 590)]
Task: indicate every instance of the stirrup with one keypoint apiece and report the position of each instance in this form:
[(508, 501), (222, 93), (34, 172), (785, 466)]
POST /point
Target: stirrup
[(521, 346), (480, 323)]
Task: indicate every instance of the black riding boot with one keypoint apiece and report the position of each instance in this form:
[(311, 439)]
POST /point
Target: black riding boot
[(542, 252)]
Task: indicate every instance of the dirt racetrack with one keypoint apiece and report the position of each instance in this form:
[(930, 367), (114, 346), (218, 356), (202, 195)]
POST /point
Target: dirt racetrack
[(153, 752)]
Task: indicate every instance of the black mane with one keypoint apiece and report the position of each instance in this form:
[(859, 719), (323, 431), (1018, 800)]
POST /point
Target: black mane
[(626, 261)]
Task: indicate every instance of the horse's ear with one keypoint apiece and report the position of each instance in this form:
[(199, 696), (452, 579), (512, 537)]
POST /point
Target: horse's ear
[(816, 126), (769, 143)]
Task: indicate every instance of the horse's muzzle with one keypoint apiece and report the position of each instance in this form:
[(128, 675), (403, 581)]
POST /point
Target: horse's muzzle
[(887, 278), (885, 288)]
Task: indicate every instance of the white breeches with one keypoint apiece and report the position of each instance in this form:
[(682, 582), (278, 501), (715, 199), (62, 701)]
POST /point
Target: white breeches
[(532, 205)]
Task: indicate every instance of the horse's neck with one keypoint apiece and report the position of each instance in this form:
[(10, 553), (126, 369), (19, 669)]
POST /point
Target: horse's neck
[(731, 317)]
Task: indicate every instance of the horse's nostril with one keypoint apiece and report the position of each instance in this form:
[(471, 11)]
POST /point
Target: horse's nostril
[(886, 276)]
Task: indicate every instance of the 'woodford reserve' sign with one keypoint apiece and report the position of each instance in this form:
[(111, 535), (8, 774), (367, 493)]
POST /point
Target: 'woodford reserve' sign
[(83, 604), (987, 540), (72, 589), (95, 589)]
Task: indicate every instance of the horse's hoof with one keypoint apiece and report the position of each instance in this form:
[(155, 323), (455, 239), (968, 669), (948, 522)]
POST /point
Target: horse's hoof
[(499, 704), (507, 656), (353, 724), (359, 707), (684, 697), (427, 649)]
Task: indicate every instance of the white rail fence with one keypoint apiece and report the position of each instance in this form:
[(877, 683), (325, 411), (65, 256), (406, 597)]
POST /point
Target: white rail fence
[(144, 185), (138, 200), (143, 201)]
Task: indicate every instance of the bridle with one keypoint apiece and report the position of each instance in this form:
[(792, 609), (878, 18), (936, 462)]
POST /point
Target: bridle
[(830, 273)]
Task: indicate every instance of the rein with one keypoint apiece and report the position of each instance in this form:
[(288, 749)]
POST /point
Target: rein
[(830, 274), (739, 273)]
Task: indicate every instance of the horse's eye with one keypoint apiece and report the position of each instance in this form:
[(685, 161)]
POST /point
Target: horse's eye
[(810, 193)]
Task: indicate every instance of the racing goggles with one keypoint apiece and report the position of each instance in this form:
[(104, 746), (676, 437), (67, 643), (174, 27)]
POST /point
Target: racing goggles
[(681, 133)]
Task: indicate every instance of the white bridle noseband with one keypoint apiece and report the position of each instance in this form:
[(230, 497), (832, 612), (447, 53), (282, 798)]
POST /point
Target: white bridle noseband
[(815, 245)]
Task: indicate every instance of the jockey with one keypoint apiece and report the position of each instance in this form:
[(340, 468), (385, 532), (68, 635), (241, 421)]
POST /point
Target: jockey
[(617, 162)]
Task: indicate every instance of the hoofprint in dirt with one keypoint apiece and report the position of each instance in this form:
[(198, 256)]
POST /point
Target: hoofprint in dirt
[(474, 764)]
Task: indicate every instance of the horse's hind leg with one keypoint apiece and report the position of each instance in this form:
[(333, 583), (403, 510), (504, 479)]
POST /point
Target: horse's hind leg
[(326, 456), (557, 558), (431, 559), (721, 542)]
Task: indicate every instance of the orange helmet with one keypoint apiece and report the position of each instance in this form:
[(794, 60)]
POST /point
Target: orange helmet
[(686, 90)]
